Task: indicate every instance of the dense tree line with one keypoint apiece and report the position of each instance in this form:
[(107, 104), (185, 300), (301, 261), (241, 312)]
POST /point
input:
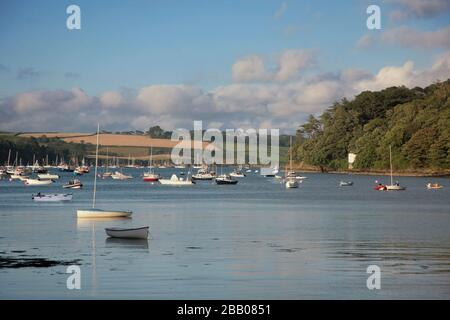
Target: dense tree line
[(28, 149), (415, 122)]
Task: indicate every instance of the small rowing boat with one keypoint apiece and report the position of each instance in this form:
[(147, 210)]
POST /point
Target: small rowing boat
[(128, 233)]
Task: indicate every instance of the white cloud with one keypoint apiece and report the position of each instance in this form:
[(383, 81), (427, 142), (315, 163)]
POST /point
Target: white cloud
[(280, 104), (291, 62), (389, 76), (289, 65), (111, 99), (250, 68), (179, 99)]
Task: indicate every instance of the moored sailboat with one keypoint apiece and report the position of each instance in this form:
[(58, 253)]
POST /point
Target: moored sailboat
[(100, 213), (291, 182), (392, 186)]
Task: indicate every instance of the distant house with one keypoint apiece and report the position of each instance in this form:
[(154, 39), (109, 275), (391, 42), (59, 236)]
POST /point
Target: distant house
[(351, 160)]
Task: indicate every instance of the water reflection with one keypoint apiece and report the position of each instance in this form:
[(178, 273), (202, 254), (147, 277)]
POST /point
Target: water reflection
[(126, 243)]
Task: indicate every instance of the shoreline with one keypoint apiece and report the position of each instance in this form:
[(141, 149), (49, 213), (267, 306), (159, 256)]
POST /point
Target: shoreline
[(443, 173)]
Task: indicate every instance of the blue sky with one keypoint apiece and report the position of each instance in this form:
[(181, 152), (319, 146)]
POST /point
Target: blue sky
[(135, 44)]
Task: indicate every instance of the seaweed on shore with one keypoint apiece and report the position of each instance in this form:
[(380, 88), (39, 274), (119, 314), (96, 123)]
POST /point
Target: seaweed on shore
[(15, 263)]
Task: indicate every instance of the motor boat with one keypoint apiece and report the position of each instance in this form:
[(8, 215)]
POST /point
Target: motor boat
[(175, 181), (237, 174), (225, 179), (291, 183), (380, 187), (52, 197), (431, 186), (151, 177), (345, 183), (203, 174), (128, 233), (37, 182), (73, 184), (268, 172), (47, 176), (120, 176)]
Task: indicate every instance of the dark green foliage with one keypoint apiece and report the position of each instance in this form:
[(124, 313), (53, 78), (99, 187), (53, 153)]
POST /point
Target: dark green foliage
[(39, 148), (415, 122)]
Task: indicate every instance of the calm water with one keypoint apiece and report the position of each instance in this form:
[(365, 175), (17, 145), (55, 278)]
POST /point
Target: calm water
[(255, 240)]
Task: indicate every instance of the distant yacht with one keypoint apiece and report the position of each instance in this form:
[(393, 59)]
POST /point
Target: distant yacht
[(392, 186), (291, 182)]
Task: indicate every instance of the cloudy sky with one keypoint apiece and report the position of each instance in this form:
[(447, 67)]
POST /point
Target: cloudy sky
[(252, 63)]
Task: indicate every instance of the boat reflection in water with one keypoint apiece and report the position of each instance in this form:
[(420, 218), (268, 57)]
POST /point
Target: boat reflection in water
[(126, 243)]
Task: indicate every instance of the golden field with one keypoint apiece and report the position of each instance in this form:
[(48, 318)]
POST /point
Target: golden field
[(111, 140)]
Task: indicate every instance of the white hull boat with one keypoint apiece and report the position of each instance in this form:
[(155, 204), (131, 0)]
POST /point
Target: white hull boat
[(291, 181), (36, 182), (175, 181), (52, 197), (237, 174), (19, 177), (125, 233), (120, 176), (291, 184), (395, 187), (48, 176), (434, 186), (99, 213), (345, 183), (392, 186)]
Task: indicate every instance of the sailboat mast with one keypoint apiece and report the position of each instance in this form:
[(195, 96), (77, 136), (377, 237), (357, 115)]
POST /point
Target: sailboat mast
[(107, 164), (96, 164), (290, 154), (151, 159), (390, 162)]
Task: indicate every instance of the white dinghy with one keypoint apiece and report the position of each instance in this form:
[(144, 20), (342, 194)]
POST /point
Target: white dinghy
[(99, 213), (128, 233), (51, 197)]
